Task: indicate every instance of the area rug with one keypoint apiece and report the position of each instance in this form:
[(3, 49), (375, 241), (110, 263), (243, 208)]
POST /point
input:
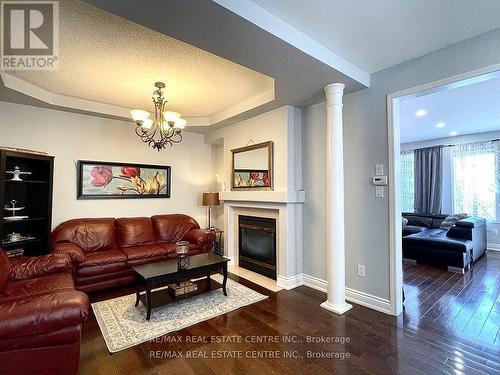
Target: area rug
[(123, 325)]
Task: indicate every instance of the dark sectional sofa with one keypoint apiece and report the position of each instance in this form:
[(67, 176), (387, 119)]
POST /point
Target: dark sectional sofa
[(457, 247)]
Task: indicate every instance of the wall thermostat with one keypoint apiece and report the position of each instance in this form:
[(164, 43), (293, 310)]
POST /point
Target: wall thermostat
[(379, 180)]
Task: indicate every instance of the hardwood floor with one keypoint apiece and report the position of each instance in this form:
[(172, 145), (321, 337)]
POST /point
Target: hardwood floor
[(449, 326)]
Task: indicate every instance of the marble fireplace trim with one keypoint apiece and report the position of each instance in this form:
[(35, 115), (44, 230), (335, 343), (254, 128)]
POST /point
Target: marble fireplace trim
[(288, 236)]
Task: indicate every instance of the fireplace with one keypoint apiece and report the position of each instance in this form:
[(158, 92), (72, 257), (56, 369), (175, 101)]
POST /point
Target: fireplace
[(257, 245)]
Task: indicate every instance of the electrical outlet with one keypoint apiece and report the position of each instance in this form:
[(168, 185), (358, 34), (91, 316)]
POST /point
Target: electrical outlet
[(361, 270), (379, 191)]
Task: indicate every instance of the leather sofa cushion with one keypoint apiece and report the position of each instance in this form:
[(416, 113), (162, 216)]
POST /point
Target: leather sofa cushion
[(100, 269), (146, 252), (89, 280), (436, 238), (40, 285), (172, 228), (135, 231), (100, 258), (4, 271), (137, 262), (411, 229), (424, 220), (43, 314), (30, 267), (67, 335), (90, 234)]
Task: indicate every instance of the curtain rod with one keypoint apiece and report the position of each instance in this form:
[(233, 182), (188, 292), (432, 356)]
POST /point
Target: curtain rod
[(456, 144)]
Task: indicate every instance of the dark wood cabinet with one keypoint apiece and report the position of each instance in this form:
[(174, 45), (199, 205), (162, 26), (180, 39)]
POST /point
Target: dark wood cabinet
[(34, 193)]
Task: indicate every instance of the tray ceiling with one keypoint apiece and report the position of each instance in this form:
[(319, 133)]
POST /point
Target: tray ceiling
[(109, 59)]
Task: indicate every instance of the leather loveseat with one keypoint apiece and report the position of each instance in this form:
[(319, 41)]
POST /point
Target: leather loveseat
[(102, 250), (457, 247), (41, 316)]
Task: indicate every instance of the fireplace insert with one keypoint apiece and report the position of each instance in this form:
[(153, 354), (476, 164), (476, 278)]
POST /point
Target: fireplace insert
[(257, 245)]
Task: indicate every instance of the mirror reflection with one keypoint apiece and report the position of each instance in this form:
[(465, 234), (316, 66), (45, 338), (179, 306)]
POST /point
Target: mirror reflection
[(252, 167)]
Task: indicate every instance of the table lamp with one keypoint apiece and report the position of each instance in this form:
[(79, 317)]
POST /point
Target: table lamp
[(209, 200)]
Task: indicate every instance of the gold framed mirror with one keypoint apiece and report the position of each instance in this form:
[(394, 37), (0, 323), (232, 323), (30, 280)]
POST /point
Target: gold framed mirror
[(252, 167)]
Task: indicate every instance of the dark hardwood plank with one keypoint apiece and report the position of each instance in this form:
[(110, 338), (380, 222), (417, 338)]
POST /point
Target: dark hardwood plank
[(451, 325)]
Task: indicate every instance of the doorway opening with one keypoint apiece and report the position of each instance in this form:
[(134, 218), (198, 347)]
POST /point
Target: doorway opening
[(441, 131)]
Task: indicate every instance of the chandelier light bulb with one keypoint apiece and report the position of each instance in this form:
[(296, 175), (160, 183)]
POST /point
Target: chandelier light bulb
[(180, 123), (139, 115), (147, 124), (171, 116)]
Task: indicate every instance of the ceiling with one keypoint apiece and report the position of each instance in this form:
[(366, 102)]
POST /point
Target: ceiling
[(376, 35), (220, 65), (473, 108), (225, 61), (117, 61)]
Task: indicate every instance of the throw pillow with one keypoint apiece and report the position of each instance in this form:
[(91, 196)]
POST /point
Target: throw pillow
[(450, 220)]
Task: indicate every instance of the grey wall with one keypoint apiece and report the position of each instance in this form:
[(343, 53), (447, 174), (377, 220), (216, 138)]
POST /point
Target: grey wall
[(366, 144)]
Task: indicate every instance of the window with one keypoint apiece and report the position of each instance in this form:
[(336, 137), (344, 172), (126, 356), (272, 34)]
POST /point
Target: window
[(407, 182), (474, 179)]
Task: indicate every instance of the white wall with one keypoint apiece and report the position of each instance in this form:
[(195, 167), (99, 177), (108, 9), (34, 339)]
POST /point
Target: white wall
[(277, 126), (71, 137), (366, 144)]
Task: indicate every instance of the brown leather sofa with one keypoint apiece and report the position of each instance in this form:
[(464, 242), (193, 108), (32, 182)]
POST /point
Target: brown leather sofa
[(41, 316), (102, 250)]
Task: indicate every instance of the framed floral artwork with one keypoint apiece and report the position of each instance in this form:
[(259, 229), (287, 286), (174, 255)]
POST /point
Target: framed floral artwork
[(106, 180)]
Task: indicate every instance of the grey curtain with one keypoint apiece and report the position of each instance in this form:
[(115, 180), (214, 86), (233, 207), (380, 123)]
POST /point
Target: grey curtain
[(428, 174)]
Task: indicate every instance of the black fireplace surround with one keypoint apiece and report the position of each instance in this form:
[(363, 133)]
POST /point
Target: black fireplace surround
[(257, 245)]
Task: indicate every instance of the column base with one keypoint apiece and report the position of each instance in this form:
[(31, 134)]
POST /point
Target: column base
[(338, 309)]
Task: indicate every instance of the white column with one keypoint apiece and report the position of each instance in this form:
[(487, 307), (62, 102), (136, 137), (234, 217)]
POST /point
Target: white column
[(335, 240)]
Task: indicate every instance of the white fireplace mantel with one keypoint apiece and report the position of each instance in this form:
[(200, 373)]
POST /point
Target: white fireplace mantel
[(264, 196)]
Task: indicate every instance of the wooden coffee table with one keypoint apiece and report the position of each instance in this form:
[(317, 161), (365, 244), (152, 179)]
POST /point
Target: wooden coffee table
[(159, 274)]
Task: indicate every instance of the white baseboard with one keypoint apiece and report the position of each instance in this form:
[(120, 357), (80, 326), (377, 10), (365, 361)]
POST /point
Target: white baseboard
[(360, 298), (493, 246), (314, 282), (368, 300), (289, 282)]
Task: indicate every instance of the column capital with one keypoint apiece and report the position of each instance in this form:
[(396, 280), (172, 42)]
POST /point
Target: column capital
[(334, 90)]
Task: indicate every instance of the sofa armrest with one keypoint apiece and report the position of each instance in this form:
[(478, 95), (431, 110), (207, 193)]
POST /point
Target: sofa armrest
[(201, 237), (29, 267), (75, 252), (43, 314), (471, 222)]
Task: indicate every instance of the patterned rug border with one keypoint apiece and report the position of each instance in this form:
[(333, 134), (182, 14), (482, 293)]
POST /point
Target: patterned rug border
[(110, 347)]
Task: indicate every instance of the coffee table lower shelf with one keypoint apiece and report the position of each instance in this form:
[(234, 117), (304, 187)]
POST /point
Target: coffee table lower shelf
[(161, 297)]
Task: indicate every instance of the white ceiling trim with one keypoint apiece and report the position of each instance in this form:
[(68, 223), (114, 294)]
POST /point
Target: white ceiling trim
[(12, 82), (279, 28), (256, 101), (15, 83)]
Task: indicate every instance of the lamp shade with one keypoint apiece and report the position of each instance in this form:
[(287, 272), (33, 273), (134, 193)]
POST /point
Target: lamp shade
[(210, 199)]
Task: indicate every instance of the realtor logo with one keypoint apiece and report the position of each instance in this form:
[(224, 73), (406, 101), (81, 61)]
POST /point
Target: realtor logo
[(30, 35)]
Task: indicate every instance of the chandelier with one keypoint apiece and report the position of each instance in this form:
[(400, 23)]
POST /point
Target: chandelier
[(166, 126)]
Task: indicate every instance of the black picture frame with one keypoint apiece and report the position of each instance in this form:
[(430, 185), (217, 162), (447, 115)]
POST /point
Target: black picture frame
[(80, 180)]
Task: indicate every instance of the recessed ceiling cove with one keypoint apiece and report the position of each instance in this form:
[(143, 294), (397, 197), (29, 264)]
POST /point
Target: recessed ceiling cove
[(107, 59)]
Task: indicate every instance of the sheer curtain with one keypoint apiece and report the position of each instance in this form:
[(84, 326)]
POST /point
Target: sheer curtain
[(407, 189), (475, 177)]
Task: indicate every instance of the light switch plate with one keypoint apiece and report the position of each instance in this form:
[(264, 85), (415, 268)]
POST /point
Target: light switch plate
[(361, 270), (379, 170), (379, 191)]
